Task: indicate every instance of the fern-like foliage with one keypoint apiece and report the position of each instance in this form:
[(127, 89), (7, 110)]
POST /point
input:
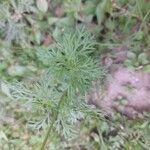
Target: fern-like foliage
[(61, 90), (69, 60)]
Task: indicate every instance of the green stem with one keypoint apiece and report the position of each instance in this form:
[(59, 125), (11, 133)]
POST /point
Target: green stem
[(47, 134), (53, 121)]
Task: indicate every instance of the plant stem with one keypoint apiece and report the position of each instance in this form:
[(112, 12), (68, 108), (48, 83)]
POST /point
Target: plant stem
[(53, 121), (47, 134)]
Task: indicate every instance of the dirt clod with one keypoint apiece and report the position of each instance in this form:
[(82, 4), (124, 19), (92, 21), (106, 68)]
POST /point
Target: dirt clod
[(131, 86)]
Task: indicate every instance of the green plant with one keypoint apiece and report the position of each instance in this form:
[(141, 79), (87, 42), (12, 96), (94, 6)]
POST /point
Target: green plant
[(57, 100), (12, 20), (27, 30)]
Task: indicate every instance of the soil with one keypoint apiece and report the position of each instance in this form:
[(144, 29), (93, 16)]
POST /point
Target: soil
[(126, 91)]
